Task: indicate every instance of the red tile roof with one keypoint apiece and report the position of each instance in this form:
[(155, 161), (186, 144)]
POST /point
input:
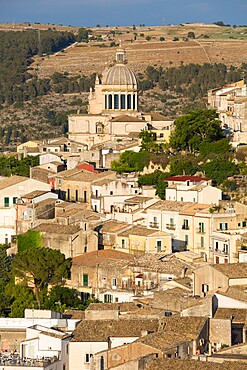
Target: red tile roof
[(187, 178)]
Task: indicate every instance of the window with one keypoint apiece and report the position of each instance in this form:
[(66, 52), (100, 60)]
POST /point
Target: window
[(114, 282), (186, 240), (76, 195), (111, 192), (134, 101), (216, 246), (201, 227), (67, 349), (161, 136), (223, 226), (88, 356), (185, 225), (102, 363), (244, 224), (202, 242), (110, 102), (123, 243), (85, 196), (6, 202), (171, 221), (68, 194), (128, 101), (122, 101), (182, 199), (116, 101), (96, 193), (14, 200), (205, 288), (158, 245), (108, 298), (85, 249), (225, 248), (85, 279)]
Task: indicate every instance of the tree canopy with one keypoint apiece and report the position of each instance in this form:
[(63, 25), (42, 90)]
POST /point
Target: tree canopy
[(194, 129), (41, 267)]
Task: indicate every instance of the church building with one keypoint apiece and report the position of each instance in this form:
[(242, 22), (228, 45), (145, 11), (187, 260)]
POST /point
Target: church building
[(113, 109)]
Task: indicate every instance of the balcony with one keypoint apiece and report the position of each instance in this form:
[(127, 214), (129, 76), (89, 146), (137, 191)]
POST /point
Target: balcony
[(154, 225), (171, 226), (200, 231), (219, 251), (185, 227)]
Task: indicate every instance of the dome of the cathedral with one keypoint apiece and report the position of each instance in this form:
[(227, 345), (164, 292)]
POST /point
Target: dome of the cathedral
[(120, 74)]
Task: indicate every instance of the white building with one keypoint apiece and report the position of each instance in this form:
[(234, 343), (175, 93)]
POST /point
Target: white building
[(192, 189), (12, 188)]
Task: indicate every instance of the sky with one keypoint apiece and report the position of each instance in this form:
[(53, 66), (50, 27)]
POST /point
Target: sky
[(88, 13)]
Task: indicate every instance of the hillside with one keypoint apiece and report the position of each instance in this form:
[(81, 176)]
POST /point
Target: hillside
[(44, 116)]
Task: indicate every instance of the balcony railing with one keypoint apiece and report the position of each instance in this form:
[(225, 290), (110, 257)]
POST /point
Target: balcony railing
[(171, 226), (154, 225), (219, 251), (200, 231), (185, 227)]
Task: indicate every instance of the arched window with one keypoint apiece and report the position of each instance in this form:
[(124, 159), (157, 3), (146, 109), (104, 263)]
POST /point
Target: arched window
[(110, 102), (116, 101), (105, 101), (122, 101), (128, 101), (134, 101)]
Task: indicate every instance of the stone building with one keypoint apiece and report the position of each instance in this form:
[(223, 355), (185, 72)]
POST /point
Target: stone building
[(113, 108)]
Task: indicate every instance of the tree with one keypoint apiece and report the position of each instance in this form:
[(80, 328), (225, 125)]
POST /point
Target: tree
[(41, 267), (82, 35), (191, 35), (195, 128), (131, 161)]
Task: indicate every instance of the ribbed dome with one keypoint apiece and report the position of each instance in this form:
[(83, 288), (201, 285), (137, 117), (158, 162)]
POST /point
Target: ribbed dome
[(120, 74)]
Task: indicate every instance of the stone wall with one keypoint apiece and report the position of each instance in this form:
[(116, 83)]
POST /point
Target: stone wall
[(220, 331)]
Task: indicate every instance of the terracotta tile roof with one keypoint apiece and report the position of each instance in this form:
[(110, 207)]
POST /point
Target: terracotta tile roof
[(170, 205), (97, 257), (74, 314), (126, 118), (142, 231), (112, 226), (195, 208), (57, 229), (122, 307), (232, 270), (238, 315), (167, 364), (35, 193), (101, 330), (176, 329), (168, 264), (159, 117), (238, 292), (187, 178), (12, 180)]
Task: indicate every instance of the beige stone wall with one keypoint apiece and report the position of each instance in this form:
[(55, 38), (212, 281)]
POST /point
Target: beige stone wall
[(208, 275), (220, 331)]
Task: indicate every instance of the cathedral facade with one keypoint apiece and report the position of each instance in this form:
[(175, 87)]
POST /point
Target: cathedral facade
[(113, 108)]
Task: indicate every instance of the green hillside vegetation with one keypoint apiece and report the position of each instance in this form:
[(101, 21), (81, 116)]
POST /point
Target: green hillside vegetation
[(196, 145), (42, 267)]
